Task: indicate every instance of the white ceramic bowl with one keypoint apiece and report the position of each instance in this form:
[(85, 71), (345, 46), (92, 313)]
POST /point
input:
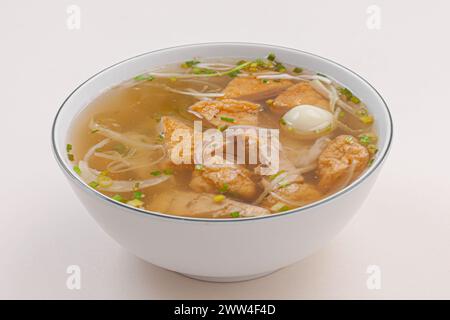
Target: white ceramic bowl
[(222, 249)]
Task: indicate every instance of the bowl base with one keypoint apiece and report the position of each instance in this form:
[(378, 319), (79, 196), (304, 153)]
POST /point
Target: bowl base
[(228, 279)]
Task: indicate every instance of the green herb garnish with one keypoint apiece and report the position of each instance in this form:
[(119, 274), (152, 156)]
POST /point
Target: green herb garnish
[(355, 100), (199, 167), (224, 188), (70, 156), (189, 63), (137, 195), (222, 128), (77, 170), (280, 67), (93, 184), (168, 172), (155, 173), (234, 73), (235, 214), (144, 77), (227, 119), (271, 57), (119, 198), (68, 147), (365, 140), (276, 175), (297, 70), (203, 71)]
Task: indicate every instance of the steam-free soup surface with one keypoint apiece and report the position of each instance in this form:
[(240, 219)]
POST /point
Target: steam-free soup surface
[(123, 144)]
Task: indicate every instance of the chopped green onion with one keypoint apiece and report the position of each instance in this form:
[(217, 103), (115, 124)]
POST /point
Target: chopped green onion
[(219, 198), (145, 77), (224, 188), (189, 63), (276, 175), (70, 156), (321, 75), (269, 102), (199, 167), (371, 162), (168, 172), (68, 147), (265, 81), (362, 112), (349, 139), (364, 139), (235, 214), (372, 148), (280, 67), (155, 173), (283, 122), (355, 100), (345, 92), (77, 170), (279, 207), (104, 181), (136, 186), (366, 119), (271, 57), (137, 195), (203, 71), (119, 198), (227, 119), (234, 73), (93, 184), (297, 70), (94, 130), (349, 95), (136, 203), (222, 128)]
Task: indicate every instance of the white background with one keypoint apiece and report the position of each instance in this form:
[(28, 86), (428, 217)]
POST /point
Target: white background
[(403, 227)]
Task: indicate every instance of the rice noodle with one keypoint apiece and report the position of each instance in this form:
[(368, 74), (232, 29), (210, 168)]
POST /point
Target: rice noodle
[(329, 93), (206, 84), (304, 77), (306, 159), (335, 100), (194, 93), (123, 138), (286, 201), (120, 164), (285, 177), (217, 66), (89, 174)]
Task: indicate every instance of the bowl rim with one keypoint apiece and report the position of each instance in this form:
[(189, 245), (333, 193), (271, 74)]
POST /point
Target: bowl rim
[(377, 163)]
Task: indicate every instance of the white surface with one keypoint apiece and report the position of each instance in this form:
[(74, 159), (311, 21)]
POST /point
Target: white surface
[(403, 227)]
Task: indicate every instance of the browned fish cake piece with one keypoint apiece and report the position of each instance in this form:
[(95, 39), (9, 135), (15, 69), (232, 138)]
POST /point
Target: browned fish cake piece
[(337, 158)]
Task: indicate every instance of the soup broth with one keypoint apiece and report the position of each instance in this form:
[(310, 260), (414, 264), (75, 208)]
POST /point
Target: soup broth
[(122, 144)]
